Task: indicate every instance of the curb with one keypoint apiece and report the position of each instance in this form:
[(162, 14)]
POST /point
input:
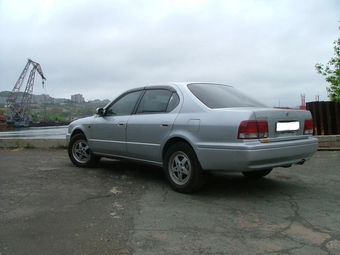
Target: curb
[(326, 143), (33, 143)]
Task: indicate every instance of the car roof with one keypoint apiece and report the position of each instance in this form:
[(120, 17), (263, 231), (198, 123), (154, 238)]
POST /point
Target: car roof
[(182, 84), (170, 85)]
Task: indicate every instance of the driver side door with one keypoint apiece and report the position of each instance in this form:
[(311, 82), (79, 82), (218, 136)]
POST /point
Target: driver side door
[(109, 130)]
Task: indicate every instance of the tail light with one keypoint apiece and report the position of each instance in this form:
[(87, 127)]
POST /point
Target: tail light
[(309, 127), (252, 129)]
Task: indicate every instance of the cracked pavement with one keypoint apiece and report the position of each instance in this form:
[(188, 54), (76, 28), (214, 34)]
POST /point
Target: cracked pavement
[(49, 206)]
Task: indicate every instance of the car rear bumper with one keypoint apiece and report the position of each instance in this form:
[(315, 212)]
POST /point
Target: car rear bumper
[(254, 155)]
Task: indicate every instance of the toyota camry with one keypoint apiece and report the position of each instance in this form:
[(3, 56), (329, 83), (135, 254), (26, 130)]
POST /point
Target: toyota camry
[(190, 129)]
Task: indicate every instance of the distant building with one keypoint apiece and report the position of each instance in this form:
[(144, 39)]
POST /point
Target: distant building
[(60, 100), (99, 102), (78, 98), (3, 100), (40, 99)]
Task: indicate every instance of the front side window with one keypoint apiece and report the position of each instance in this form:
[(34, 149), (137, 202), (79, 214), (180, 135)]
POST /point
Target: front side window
[(222, 96), (124, 105), (157, 101)]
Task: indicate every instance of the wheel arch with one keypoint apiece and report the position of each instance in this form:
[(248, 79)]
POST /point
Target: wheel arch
[(171, 142), (78, 131)]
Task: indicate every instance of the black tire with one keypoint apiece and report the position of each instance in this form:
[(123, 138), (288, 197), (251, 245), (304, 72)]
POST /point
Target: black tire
[(182, 168), (80, 153), (257, 174)]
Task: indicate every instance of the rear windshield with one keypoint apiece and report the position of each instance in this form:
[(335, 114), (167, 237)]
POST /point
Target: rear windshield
[(222, 96)]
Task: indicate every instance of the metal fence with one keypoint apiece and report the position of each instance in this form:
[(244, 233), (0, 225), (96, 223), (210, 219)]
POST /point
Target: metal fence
[(326, 116)]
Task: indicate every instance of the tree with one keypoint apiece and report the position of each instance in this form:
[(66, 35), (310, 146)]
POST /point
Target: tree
[(332, 73)]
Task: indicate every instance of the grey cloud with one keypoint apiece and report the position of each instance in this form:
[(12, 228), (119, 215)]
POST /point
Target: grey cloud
[(100, 49)]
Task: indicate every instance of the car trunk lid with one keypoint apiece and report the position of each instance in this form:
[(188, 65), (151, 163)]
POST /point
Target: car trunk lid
[(283, 124)]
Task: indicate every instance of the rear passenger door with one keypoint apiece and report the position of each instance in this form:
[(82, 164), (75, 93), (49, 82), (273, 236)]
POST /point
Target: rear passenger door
[(151, 123)]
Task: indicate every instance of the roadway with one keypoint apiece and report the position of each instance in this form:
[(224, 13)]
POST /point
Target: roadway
[(49, 206)]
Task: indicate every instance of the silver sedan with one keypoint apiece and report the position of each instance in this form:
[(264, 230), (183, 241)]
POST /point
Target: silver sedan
[(189, 129)]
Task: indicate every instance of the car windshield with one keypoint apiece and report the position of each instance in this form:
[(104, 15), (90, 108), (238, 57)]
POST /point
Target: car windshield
[(222, 96)]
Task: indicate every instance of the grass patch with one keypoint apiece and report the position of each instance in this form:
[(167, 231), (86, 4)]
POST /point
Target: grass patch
[(29, 146)]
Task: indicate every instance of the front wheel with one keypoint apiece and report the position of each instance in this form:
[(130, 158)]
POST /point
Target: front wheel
[(182, 168), (80, 153), (257, 174)]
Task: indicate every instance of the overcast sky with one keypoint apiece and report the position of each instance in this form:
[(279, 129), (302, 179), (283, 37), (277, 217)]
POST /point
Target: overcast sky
[(266, 48)]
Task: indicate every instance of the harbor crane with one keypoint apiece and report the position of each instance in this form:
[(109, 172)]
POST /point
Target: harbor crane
[(17, 105)]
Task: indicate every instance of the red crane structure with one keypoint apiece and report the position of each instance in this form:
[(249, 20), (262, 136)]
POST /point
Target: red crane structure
[(17, 105), (303, 101)]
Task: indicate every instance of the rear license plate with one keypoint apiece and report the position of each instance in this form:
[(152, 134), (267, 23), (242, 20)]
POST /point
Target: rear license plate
[(287, 126)]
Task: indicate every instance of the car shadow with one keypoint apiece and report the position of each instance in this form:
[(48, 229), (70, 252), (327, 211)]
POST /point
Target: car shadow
[(218, 183), (134, 170), (225, 184)]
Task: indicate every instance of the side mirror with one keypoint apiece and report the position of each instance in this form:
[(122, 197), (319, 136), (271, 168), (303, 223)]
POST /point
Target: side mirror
[(100, 111)]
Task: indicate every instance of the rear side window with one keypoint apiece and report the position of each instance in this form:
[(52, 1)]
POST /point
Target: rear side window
[(157, 101), (173, 102), (222, 96)]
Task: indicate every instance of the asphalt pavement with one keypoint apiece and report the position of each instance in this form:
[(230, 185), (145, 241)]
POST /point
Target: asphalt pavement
[(49, 206)]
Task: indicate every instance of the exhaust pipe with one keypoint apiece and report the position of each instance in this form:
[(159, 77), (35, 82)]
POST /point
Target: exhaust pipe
[(301, 162)]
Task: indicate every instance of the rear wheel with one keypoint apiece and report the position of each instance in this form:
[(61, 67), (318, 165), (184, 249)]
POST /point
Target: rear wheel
[(182, 168), (257, 174), (80, 153)]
